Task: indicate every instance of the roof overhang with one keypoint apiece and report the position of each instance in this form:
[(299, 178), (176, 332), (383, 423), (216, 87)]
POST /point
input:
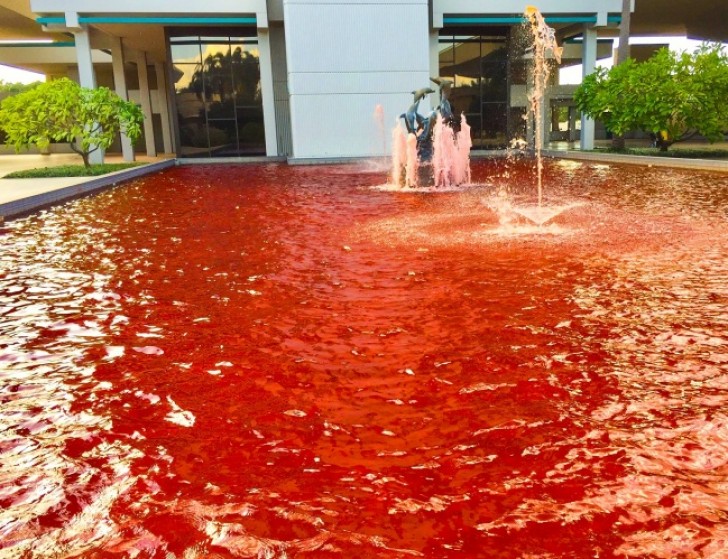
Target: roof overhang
[(703, 20)]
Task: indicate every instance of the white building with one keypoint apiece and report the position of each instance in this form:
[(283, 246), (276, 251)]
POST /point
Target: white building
[(297, 78)]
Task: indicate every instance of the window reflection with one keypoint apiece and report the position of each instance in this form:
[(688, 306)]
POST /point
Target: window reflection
[(219, 101), (477, 63), (185, 51)]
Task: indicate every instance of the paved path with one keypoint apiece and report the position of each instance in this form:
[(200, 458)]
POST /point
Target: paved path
[(22, 196)]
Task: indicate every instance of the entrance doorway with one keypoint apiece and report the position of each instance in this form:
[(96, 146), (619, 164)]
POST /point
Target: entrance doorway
[(476, 60), (217, 92)]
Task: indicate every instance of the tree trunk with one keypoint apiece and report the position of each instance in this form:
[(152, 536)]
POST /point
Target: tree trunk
[(618, 142), (623, 49), (86, 162)]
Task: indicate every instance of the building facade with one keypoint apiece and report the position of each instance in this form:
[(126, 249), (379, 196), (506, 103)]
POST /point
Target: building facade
[(304, 79)]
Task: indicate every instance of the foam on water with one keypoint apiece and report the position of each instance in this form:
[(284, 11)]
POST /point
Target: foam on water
[(539, 215)]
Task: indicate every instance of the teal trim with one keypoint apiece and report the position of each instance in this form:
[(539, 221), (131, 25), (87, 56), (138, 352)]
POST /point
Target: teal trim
[(35, 44), (51, 20), (223, 20), (480, 20), (519, 19), (171, 20)]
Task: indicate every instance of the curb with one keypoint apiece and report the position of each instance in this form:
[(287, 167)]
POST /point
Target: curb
[(229, 160), (644, 160)]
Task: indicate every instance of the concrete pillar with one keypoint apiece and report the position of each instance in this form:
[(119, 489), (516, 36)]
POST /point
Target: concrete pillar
[(117, 63), (266, 87), (572, 124), (86, 75), (588, 60), (555, 116), (146, 102), (434, 41), (162, 94)]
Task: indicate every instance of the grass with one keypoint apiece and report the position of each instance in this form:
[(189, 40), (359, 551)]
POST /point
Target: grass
[(70, 171), (688, 153)]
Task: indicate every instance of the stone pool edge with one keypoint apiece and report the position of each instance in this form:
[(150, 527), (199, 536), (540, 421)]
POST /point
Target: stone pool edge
[(26, 205), (644, 160)]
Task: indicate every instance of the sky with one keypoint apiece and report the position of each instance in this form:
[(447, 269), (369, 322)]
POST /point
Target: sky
[(13, 75), (572, 74)]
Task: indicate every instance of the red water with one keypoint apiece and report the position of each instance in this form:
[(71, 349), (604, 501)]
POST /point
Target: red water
[(284, 362)]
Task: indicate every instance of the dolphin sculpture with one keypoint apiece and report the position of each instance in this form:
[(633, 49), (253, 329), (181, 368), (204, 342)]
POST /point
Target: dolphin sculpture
[(412, 118), (445, 108), (420, 93), (423, 128), (445, 86)]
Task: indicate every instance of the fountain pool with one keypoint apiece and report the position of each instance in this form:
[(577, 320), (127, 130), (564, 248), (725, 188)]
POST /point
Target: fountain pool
[(274, 361)]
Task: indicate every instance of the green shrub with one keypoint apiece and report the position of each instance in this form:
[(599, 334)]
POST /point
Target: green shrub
[(70, 171), (63, 111)]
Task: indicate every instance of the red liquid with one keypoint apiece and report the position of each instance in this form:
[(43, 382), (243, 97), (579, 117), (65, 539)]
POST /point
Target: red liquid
[(273, 361)]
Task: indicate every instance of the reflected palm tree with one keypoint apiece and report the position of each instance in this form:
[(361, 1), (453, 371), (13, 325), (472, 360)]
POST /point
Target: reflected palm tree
[(224, 76), (228, 115)]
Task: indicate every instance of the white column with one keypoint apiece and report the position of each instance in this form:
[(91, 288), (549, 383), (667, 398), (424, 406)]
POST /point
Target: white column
[(588, 61), (86, 75), (162, 93), (434, 55), (572, 123), (117, 63), (146, 103), (266, 87)]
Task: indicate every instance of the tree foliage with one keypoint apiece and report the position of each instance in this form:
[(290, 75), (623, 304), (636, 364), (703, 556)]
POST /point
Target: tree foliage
[(63, 111), (16, 87), (671, 95)]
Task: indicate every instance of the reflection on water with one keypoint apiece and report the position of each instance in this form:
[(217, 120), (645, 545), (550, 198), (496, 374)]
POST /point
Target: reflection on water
[(271, 361)]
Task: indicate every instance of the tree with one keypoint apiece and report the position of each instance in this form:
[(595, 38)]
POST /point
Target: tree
[(673, 96), (16, 87), (63, 111)]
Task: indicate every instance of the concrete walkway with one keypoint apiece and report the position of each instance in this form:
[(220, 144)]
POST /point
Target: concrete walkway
[(566, 150), (22, 196)]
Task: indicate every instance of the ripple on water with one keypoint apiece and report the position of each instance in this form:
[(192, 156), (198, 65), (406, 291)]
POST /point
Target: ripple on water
[(273, 361)]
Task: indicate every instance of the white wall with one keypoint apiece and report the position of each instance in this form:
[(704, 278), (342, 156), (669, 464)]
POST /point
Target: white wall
[(345, 57)]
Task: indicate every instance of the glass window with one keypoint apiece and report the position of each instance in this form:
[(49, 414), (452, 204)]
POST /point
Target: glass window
[(476, 59), (186, 78), (218, 96), (185, 52)]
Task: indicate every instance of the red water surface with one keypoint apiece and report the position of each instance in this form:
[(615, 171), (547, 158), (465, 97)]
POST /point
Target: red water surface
[(269, 361)]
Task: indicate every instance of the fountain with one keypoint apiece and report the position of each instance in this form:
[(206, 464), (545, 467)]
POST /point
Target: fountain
[(432, 150), (273, 360), (544, 41), (544, 48)]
